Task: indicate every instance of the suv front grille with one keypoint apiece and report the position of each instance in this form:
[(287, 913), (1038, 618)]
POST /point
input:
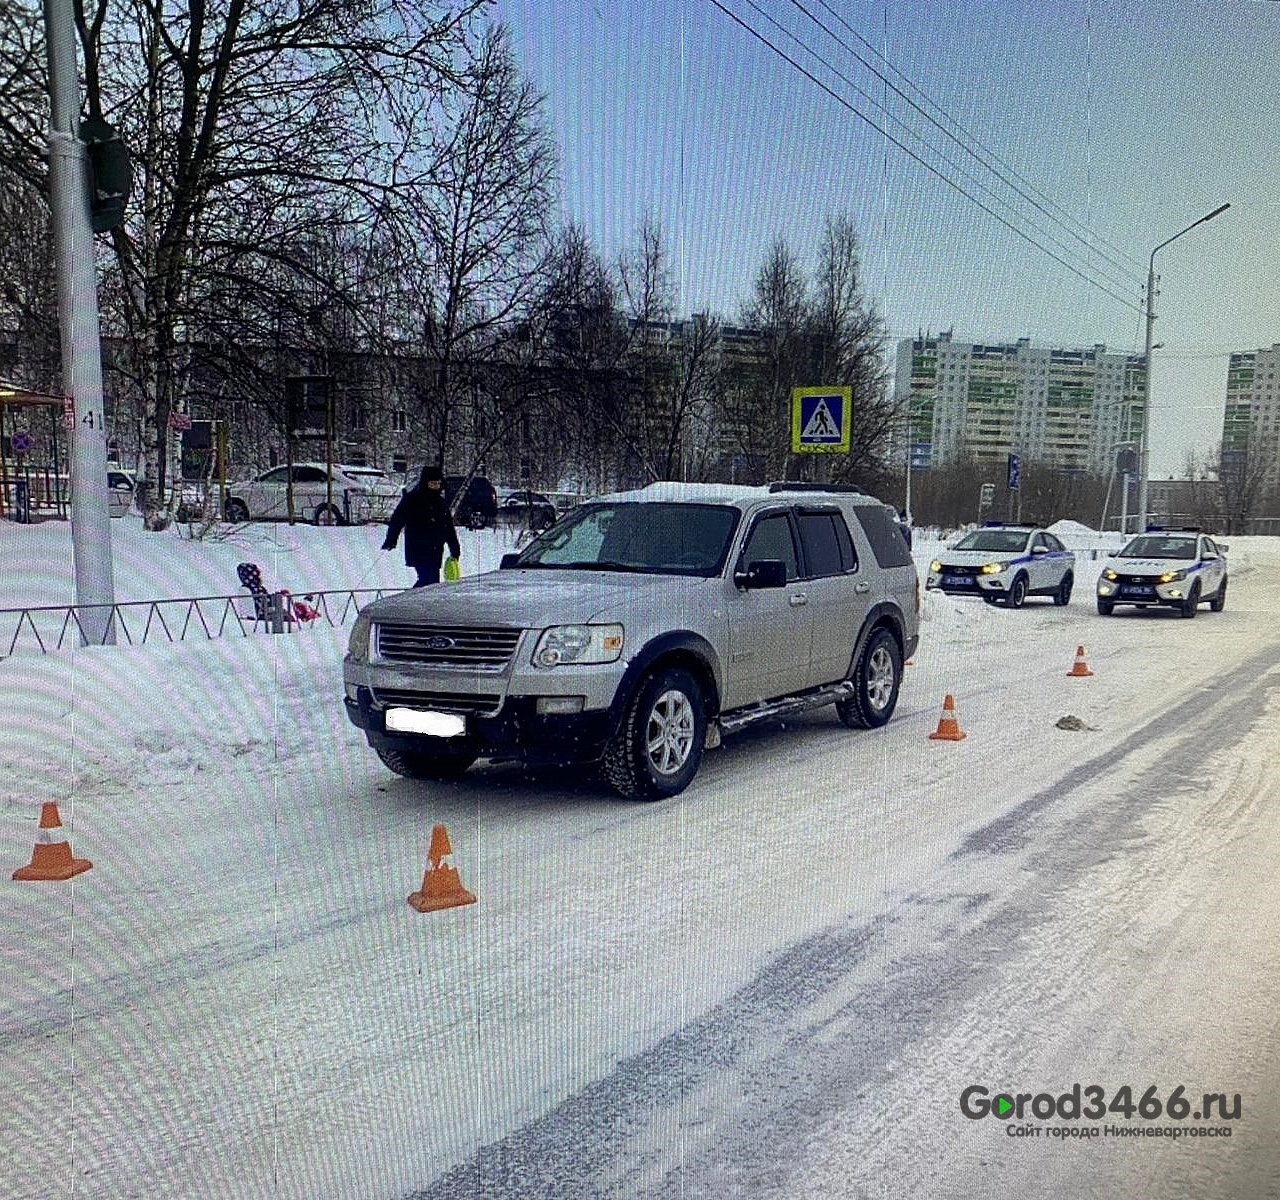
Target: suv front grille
[(447, 645), (470, 703)]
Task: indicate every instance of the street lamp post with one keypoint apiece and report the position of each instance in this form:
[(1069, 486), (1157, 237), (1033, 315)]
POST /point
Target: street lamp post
[(1144, 465)]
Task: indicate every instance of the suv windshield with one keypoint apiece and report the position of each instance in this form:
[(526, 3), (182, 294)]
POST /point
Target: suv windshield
[(1002, 541), (657, 539), (1160, 547)]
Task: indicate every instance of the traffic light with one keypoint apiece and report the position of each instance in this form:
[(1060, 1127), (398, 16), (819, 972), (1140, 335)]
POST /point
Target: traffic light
[(111, 174)]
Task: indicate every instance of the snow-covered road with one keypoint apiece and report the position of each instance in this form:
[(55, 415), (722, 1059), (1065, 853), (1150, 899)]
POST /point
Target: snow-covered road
[(776, 985)]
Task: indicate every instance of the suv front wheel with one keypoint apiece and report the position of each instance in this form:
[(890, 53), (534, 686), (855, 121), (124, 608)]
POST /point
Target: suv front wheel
[(876, 681), (658, 747)]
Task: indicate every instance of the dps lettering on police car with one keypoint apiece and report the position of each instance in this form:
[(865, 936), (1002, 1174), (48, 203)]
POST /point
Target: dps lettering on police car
[(1004, 564), (1176, 568)]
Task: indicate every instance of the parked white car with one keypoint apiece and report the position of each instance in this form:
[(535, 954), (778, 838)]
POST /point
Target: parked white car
[(357, 495)]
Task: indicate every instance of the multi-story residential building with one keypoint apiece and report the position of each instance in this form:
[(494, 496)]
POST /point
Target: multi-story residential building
[(1251, 421), (1069, 407)]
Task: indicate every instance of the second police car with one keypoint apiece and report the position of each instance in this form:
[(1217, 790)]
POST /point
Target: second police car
[(1179, 568), (1005, 564)]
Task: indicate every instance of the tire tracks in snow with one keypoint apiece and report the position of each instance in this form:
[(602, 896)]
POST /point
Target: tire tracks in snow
[(728, 1104)]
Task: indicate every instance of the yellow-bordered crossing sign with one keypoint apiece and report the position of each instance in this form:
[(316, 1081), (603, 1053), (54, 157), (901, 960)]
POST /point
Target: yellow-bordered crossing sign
[(820, 420)]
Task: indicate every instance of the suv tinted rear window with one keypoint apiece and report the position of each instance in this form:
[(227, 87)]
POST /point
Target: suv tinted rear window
[(887, 542), (827, 548)]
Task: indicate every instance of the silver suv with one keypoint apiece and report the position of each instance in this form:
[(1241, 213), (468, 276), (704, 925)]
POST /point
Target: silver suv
[(638, 630)]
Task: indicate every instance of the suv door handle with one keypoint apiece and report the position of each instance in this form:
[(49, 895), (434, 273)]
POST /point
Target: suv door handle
[(861, 588), (798, 599)]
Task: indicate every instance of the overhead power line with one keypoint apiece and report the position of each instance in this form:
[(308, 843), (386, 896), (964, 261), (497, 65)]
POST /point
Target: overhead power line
[(1068, 216), (1119, 276), (921, 161)]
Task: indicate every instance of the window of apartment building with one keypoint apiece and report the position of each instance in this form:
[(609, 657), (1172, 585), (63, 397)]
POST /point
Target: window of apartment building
[(400, 465), (400, 421), (357, 418)]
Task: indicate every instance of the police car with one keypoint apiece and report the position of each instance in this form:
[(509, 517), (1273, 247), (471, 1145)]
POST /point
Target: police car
[(1179, 568), (1005, 564)]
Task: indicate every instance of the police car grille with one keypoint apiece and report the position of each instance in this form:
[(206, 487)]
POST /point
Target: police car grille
[(447, 645), (469, 703), (964, 571)]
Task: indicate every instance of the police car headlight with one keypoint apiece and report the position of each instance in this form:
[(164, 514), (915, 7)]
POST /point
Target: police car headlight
[(993, 568), (1110, 574), (1172, 576), (935, 566), (358, 645), (580, 645)]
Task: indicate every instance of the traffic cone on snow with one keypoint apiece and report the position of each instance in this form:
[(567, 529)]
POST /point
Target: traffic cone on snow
[(1081, 668), (948, 727), (441, 884), (52, 857)]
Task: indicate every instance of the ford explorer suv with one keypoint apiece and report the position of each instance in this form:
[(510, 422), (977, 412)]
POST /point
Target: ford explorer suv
[(639, 630)]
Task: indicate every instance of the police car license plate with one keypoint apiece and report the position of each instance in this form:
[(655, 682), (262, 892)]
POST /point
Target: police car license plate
[(958, 580), (1135, 589), (433, 724)]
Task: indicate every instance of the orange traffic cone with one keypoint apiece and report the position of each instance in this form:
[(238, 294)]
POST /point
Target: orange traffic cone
[(1081, 668), (441, 885), (948, 727), (51, 859)]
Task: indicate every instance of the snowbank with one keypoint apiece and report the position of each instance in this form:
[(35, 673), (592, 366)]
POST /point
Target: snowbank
[(152, 566)]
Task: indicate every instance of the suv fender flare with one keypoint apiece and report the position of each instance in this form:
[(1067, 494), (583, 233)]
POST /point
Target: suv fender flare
[(679, 646), (883, 614)]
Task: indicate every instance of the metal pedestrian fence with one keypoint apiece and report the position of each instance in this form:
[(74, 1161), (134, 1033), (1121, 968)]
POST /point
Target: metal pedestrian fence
[(44, 629)]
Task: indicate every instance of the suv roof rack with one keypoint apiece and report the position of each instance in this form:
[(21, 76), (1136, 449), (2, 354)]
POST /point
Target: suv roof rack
[(795, 485)]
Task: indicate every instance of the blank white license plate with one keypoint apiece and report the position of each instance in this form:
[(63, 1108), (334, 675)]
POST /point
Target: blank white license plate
[(434, 724)]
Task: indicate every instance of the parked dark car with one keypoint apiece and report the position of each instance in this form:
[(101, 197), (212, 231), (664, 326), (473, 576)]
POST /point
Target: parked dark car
[(534, 507), (478, 508)]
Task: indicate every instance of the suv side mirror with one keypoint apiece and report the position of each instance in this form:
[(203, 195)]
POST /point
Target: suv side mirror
[(508, 561), (1037, 550), (763, 573)]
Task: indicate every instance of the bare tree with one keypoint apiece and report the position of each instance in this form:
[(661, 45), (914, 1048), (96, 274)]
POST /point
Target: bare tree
[(269, 109), (477, 244)]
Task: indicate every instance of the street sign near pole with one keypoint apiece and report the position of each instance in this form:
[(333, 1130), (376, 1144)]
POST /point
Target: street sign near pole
[(820, 420), (1015, 473)]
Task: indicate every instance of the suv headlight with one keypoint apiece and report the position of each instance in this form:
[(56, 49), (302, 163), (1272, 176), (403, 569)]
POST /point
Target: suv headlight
[(358, 644), (1172, 576), (993, 568), (935, 566), (1110, 574), (580, 645)]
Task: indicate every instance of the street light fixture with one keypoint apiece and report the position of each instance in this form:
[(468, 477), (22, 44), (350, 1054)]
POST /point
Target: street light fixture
[(1144, 465)]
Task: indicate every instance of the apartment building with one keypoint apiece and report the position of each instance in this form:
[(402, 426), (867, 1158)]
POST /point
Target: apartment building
[(1251, 420), (1067, 406)]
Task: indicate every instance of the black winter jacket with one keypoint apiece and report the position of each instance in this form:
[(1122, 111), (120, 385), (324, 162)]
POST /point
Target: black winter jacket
[(428, 527)]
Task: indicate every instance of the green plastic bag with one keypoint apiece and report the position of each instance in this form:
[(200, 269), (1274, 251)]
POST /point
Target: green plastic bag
[(452, 572)]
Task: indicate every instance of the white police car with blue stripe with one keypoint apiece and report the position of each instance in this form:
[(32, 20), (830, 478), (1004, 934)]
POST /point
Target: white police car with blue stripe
[(1004, 564), (1178, 568)]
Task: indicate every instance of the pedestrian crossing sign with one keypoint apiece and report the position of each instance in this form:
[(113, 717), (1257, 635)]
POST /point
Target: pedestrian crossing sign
[(820, 420)]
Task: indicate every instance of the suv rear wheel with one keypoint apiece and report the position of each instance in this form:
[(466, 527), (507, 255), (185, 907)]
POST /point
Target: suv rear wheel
[(658, 748), (413, 765), (876, 681)]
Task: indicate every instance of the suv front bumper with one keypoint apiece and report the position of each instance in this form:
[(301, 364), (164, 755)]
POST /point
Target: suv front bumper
[(517, 731)]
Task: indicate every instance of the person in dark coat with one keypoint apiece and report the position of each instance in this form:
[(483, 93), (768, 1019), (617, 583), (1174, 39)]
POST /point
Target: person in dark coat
[(424, 517)]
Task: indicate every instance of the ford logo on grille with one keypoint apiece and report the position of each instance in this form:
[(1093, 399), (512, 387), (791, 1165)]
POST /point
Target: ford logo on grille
[(439, 642)]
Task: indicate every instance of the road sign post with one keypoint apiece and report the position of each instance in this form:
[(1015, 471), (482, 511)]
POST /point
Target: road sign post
[(821, 418)]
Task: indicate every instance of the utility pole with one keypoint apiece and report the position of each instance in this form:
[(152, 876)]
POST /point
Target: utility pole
[(1144, 455), (78, 324)]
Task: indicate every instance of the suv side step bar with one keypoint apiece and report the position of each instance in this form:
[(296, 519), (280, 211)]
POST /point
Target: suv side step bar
[(740, 718)]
